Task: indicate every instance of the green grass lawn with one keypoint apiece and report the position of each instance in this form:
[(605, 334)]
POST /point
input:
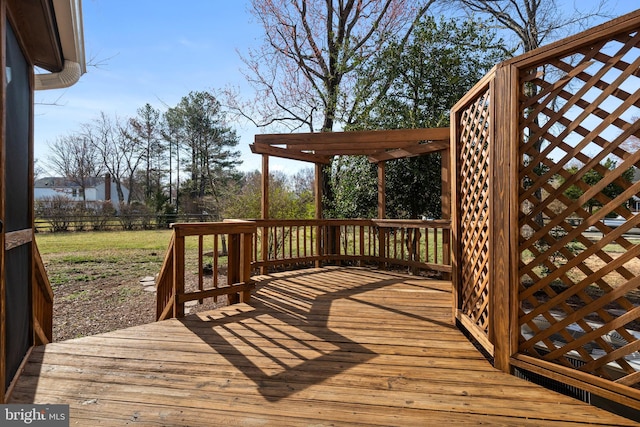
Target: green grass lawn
[(96, 277), (103, 241)]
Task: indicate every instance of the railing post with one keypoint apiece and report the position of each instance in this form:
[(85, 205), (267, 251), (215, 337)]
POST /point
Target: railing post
[(178, 276), (446, 250), (233, 266), (245, 263)]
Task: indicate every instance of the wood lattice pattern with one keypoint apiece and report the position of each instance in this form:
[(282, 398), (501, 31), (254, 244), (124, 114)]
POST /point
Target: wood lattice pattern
[(474, 211), (579, 275)]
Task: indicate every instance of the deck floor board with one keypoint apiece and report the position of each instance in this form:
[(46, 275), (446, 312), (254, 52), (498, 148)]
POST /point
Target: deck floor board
[(332, 346)]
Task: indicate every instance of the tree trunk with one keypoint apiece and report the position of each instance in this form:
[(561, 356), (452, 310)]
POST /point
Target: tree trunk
[(119, 191)]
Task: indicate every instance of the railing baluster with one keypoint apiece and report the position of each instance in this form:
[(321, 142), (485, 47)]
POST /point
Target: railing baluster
[(233, 266), (264, 245), (361, 231), (426, 244), (291, 242), (178, 276), (245, 265), (200, 266), (304, 244), (386, 241), (437, 232), (214, 264), (318, 246), (283, 241)]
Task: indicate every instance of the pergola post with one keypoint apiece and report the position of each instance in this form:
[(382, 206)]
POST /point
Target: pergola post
[(318, 190), (264, 213), (318, 202), (382, 198), (264, 206), (382, 202)]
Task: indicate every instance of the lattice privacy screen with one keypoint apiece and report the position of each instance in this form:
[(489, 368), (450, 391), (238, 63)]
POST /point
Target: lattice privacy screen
[(579, 271), (474, 183)]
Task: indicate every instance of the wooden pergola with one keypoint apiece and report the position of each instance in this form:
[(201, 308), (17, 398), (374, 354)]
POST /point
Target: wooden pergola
[(378, 145)]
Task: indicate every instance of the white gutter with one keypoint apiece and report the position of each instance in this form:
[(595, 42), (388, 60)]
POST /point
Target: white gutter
[(70, 30), (69, 76)]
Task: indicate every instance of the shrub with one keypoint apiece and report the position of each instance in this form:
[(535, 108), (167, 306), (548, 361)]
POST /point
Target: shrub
[(57, 210), (134, 215), (100, 213)]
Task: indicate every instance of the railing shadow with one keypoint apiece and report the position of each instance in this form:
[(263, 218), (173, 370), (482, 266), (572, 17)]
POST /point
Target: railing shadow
[(285, 343)]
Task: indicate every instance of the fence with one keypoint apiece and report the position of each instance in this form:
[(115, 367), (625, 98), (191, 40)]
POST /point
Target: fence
[(87, 222)]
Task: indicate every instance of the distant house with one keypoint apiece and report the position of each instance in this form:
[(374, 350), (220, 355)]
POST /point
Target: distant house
[(97, 189)]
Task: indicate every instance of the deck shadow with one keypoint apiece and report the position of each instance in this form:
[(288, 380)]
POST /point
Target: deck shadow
[(299, 314)]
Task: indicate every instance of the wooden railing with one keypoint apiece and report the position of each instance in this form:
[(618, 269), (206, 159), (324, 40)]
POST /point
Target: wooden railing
[(229, 247), (420, 245), (42, 301), (417, 244), (237, 247)]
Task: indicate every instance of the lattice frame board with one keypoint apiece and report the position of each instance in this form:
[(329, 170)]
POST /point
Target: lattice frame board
[(578, 277), (473, 175)]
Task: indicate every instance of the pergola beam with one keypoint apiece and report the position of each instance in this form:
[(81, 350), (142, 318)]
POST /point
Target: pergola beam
[(413, 151), (325, 139), (378, 145), (288, 154)]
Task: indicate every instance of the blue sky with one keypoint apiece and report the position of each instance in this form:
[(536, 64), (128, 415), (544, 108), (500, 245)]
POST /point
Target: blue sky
[(154, 51), (157, 51)]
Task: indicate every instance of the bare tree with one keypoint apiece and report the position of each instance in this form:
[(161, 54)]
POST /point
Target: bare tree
[(305, 72), (534, 22), (38, 169), (312, 50), (121, 154), (74, 158)]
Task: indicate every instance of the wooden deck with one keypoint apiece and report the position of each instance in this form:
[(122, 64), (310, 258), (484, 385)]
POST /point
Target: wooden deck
[(332, 346)]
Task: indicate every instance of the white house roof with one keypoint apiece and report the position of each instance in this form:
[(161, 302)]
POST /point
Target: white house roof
[(61, 182)]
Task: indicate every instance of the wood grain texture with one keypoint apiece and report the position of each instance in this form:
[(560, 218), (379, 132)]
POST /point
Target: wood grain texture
[(14, 239), (331, 346)]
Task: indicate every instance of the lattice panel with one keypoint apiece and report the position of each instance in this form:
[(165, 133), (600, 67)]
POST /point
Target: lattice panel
[(579, 271), (474, 211)]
